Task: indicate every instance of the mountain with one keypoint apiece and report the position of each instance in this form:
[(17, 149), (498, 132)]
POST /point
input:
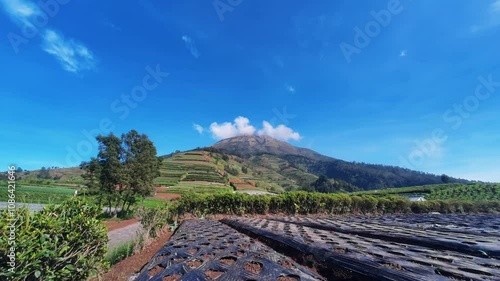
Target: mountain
[(362, 175), (254, 145)]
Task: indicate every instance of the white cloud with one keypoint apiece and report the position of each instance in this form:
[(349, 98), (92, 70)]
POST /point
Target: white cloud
[(21, 11), (191, 46), (241, 126), (403, 53), (198, 128), (73, 56), (495, 7), (281, 132), (290, 88), (490, 20)]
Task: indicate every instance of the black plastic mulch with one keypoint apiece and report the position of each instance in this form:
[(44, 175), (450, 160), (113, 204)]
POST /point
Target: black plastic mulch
[(366, 257), (209, 250)]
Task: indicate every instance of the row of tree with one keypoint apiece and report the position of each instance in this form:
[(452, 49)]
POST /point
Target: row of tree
[(123, 169)]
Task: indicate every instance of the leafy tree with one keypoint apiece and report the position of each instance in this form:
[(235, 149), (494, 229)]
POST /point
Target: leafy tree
[(111, 176), (445, 178), (123, 169), (141, 164)]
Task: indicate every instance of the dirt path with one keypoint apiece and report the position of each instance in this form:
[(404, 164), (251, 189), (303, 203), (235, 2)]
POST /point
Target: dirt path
[(113, 225), (132, 264), (122, 235)]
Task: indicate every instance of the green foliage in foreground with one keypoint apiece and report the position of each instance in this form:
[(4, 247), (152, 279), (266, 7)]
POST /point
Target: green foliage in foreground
[(65, 242), (319, 203)]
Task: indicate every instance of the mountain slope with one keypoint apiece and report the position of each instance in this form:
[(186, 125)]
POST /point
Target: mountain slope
[(364, 176), (254, 145)]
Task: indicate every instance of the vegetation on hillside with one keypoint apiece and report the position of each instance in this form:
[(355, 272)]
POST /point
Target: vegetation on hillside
[(473, 192), (453, 191)]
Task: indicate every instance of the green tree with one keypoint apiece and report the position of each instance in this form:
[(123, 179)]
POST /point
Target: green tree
[(445, 178), (112, 176), (141, 164)]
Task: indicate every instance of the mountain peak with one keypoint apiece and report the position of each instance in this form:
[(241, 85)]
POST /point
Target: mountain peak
[(253, 144)]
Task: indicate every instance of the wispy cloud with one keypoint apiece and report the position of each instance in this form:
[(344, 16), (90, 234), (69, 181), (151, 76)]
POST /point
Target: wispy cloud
[(73, 56), (490, 20), (20, 11), (241, 126), (190, 45), (108, 23), (198, 128), (290, 88)]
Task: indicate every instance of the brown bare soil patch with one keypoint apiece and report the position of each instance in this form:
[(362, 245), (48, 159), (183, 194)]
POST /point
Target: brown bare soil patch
[(112, 225), (213, 274), (174, 277), (253, 267), (167, 195)]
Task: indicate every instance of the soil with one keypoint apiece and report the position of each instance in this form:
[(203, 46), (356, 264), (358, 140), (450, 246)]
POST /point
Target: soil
[(134, 263), (194, 263), (112, 225), (213, 274), (253, 267), (167, 195)]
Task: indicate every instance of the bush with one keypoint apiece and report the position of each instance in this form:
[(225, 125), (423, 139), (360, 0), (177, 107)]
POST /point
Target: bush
[(154, 220), (320, 203), (65, 242)]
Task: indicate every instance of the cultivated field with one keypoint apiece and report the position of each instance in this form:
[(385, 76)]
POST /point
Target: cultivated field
[(395, 247)]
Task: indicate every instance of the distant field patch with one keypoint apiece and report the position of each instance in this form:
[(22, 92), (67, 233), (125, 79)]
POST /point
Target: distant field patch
[(40, 194)]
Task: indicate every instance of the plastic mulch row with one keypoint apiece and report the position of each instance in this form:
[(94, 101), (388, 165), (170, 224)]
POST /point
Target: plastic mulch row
[(371, 259), (478, 224), (208, 250), (464, 243)]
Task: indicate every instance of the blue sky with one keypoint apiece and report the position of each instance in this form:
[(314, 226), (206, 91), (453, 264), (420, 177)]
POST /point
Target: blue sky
[(408, 83)]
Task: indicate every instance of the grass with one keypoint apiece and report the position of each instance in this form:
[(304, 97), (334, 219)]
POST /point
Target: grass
[(39, 194), (152, 202), (120, 253)]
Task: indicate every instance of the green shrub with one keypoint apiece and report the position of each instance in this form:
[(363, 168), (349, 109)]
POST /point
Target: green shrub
[(154, 220), (65, 242)]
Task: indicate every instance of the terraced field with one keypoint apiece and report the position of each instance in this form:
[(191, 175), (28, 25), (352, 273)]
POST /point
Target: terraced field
[(395, 247)]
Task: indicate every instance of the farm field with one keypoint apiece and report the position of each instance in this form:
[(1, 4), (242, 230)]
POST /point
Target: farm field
[(40, 194), (395, 247)]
